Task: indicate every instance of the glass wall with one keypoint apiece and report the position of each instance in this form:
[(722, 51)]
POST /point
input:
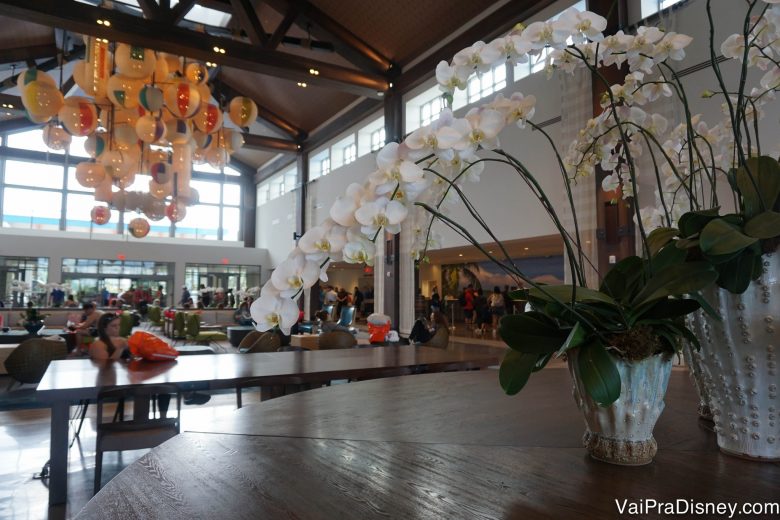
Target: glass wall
[(212, 276), (23, 279), (39, 190), (99, 280)]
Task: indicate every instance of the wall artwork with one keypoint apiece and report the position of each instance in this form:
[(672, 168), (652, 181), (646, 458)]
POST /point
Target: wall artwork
[(542, 269)]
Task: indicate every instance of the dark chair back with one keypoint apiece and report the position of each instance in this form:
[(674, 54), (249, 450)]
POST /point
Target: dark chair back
[(347, 316), (336, 340), (267, 342), (28, 362), (440, 339)]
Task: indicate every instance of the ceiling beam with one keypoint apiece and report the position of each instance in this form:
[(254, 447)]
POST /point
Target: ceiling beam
[(282, 28), (247, 17), (337, 126), (79, 17), (271, 144), (324, 27), (273, 167), (32, 52), (180, 10), (499, 21), (263, 113), (150, 9)]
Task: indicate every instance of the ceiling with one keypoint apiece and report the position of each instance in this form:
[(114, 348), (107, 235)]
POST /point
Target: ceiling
[(356, 47)]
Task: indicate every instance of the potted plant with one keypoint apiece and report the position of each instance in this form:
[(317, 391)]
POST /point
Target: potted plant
[(618, 336), (32, 319)]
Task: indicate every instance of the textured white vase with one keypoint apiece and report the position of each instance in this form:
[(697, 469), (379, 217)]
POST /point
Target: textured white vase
[(622, 433), (695, 369), (739, 358)]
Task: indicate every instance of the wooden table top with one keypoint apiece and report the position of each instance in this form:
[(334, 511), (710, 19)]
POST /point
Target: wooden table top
[(427, 446), (82, 378)]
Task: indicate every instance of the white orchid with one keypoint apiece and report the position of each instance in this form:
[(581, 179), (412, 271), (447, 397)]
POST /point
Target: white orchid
[(394, 168), (584, 25), (451, 77), (323, 241), (382, 212), (672, 46), (359, 249), (272, 310), (343, 209), (438, 138), (294, 274), (542, 34), (479, 57), (733, 46), (485, 124)]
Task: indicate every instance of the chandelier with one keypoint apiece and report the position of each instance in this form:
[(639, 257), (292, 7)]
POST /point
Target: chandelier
[(143, 112)]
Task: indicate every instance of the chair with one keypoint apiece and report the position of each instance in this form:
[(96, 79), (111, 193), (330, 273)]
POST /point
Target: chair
[(195, 335), (265, 342), (440, 339), (330, 309), (140, 432), (28, 362), (249, 340), (347, 318), (125, 324), (179, 325), (155, 316), (336, 340)]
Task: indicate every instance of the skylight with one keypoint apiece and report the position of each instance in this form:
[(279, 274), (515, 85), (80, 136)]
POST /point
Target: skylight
[(206, 16)]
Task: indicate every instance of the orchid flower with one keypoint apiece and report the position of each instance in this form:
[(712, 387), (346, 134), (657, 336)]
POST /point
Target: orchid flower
[(382, 212), (294, 274), (271, 310), (323, 241)]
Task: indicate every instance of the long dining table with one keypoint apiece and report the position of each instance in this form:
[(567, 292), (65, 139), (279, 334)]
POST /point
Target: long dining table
[(71, 381)]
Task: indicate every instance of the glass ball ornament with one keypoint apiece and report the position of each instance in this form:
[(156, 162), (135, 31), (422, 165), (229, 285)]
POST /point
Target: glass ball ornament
[(161, 172), (192, 198), (124, 181), (138, 227), (208, 119), (154, 208), (217, 158), (96, 144), (100, 215), (27, 76), (201, 139), (176, 211), (151, 98), (199, 156), (90, 174), (196, 73), (114, 161), (150, 129), (182, 99), (160, 191), (178, 131), (123, 91), (42, 99), (55, 137), (134, 62), (232, 140), (127, 116), (78, 115), (125, 135), (242, 111)]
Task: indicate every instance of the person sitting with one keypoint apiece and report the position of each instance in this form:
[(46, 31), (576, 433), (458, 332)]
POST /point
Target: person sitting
[(109, 345), (71, 302), (422, 331), (326, 325), (242, 315), (88, 323)]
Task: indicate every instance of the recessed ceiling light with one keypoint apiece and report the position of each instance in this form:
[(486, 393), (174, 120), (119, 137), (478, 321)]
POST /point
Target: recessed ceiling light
[(302, 84), (460, 254), (490, 252), (314, 72), (525, 248)]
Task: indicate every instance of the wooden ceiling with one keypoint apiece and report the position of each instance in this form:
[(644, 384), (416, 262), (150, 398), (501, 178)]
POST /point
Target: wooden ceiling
[(356, 47)]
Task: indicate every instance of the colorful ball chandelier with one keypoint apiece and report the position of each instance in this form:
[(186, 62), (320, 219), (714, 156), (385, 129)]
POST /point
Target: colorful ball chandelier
[(143, 112)]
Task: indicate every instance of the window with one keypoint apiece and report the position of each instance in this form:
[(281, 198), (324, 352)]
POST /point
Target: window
[(277, 185), (349, 153), (33, 270), (208, 192), (30, 140), (537, 63), (377, 139), (201, 222), (650, 7), (231, 194), (231, 223), (77, 213), (482, 85), (430, 110), (36, 175), (31, 209), (325, 166), (317, 162)]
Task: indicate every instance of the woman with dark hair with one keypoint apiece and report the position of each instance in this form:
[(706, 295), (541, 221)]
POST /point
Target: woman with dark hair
[(109, 345), (422, 331)]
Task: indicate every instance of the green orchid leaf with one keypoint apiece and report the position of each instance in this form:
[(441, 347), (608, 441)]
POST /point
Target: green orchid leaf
[(623, 278), (676, 280), (542, 362), (764, 225), (598, 372), (720, 238), (575, 339), (515, 370), (659, 237), (519, 294), (668, 257), (563, 293), (736, 274), (693, 222), (686, 243), (759, 184), (531, 333), (669, 308), (705, 306)]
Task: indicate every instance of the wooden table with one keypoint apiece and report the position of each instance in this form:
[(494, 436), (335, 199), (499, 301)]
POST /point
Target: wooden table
[(70, 381), (429, 446), (312, 341)]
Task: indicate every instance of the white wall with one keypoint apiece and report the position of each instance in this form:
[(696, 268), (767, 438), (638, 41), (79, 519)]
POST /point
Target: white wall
[(275, 225), (56, 246)]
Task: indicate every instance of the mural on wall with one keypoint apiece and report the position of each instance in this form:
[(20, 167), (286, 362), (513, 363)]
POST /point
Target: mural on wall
[(486, 275)]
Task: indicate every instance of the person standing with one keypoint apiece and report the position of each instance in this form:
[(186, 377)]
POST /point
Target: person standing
[(185, 295), (435, 300), (358, 301), (468, 305), (497, 307), (57, 297)]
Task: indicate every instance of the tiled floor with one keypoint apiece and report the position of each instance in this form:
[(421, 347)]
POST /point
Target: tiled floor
[(24, 448)]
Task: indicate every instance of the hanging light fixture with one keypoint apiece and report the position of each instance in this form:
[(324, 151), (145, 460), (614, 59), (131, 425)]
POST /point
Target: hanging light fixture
[(143, 112)]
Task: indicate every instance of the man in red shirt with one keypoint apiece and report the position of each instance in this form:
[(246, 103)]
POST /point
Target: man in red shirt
[(468, 306)]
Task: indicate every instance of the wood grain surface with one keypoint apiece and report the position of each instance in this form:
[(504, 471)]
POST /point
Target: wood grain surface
[(430, 446)]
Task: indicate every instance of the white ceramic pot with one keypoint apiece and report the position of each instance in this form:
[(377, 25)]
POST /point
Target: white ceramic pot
[(622, 433), (695, 369), (740, 365)]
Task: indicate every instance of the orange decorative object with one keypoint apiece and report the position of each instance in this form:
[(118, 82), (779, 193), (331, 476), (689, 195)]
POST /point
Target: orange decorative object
[(377, 333), (150, 347)]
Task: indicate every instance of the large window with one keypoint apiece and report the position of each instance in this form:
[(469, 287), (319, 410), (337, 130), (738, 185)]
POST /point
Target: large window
[(227, 277), (100, 280), (42, 192), (22, 280), (319, 164), (277, 185), (483, 85), (650, 7)]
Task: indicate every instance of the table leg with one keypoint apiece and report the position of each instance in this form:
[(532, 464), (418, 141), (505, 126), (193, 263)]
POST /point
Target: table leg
[(58, 453)]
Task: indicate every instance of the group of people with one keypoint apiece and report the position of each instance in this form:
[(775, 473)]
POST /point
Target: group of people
[(218, 299), (481, 312), (331, 295)]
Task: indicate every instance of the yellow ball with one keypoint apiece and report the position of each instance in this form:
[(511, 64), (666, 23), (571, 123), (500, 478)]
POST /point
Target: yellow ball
[(243, 111), (42, 99), (196, 73)]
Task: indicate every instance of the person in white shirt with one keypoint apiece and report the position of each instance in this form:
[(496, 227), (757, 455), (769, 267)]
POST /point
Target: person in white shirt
[(331, 296), (497, 308)]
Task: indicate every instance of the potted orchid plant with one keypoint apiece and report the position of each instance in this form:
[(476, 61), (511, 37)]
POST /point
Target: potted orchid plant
[(617, 336)]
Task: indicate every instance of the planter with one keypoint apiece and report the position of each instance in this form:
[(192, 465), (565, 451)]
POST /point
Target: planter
[(740, 365), (622, 433), (33, 328), (695, 368)]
